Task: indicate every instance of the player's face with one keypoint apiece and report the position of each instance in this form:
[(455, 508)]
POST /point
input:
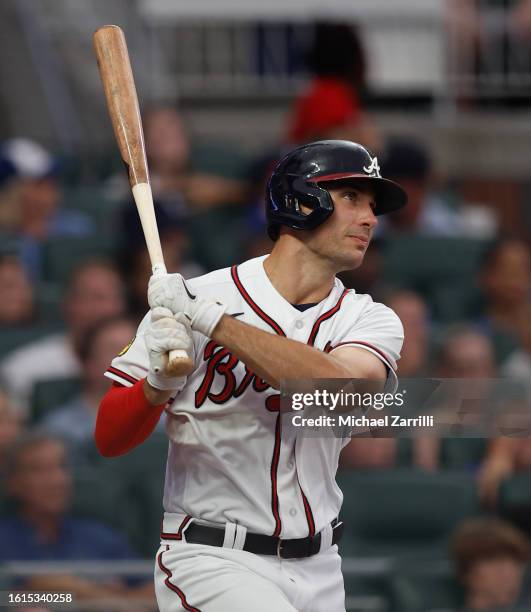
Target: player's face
[(344, 237), (41, 482)]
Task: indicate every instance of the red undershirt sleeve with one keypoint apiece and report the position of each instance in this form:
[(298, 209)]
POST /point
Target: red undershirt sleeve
[(125, 419)]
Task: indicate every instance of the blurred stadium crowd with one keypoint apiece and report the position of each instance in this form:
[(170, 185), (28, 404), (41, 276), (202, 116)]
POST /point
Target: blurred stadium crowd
[(431, 523)]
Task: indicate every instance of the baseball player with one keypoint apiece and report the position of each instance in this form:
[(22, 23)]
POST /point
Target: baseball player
[(251, 515)]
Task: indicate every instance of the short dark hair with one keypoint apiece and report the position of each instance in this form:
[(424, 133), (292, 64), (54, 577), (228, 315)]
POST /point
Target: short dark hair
[(27, 439), (480, 539), (86, 264), (494, 247)]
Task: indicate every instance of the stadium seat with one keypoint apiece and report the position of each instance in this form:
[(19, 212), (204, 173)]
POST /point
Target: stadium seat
[(432, 587), (98, 494), (404, 513), (440, 269), (91, 200), (142, 473), (101, 495), (48, 297), (62, 255), (515, 500), (49, 395), (365, 592), (462, 453), (148, 491)]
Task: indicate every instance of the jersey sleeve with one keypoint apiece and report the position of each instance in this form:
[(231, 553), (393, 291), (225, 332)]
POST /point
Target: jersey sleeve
[(377, 329), (132, 363)]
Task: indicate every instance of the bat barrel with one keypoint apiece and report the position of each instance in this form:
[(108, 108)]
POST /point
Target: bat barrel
[(120, 93)]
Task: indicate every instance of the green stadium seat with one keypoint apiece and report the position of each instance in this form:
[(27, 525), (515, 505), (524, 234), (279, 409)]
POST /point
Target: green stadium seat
[(462, 453), (98, 494), (48, 299), (403, 513), (92, 201), (440, 269), (148, 492), (365, 592), (142, 472), (432, 587), (49, 395), (514, 501), (101, 495), (62, 255), (204, 229)]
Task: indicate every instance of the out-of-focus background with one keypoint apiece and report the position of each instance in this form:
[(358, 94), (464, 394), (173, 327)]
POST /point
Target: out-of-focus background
[(440, 90)]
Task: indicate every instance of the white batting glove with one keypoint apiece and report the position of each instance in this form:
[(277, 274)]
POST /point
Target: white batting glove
[(170, 291), (165, 333)]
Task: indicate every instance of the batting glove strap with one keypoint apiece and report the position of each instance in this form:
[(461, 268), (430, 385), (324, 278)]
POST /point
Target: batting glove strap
[(206, 316), (165, 383)]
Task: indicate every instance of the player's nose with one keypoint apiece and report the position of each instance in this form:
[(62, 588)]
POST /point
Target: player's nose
[(368, 218)]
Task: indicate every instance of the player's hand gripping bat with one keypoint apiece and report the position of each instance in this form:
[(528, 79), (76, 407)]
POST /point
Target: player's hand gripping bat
[(122, 102)]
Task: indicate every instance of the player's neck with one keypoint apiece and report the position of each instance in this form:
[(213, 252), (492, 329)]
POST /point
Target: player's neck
[(299, 276)]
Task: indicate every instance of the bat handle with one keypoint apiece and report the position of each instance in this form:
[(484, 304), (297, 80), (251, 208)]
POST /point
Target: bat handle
[(179, 362)]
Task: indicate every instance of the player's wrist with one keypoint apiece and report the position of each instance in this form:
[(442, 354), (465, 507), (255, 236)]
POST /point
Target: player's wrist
[(206, 316), (154, 395)]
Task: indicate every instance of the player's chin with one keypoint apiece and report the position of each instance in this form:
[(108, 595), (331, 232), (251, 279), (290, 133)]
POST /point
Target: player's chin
[(351, 259)]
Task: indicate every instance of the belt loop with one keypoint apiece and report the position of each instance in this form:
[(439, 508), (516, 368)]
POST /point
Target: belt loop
[(326, 538), (230, 535), (184, 526), (239, 540)]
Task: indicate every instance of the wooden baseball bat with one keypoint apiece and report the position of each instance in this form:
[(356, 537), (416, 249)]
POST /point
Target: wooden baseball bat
[(122, 102)]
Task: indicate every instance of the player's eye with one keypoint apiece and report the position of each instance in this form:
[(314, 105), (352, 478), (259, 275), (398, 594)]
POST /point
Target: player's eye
[(350, 195)]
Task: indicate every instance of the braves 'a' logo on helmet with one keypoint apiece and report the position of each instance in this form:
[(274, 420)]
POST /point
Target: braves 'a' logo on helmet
[(373, 169)]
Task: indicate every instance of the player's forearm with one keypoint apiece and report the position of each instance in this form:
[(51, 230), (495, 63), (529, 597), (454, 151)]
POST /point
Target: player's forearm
[(274, 358)]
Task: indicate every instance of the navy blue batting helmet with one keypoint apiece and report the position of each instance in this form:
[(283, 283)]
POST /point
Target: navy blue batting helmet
[(295, 181)]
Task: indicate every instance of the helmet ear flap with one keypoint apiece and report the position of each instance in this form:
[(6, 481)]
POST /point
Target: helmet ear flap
[(289, 194)]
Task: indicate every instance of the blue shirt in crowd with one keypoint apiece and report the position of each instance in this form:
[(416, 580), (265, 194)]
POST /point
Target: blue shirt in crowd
[(78, 540)]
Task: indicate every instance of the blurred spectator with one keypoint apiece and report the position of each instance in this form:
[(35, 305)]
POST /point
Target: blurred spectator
[(95, 292), (42, 528), (466, 352), (413, 312), (369, 453), (206, 187), (10, 426), (168, 151), (36, 213), (408, 162), (505, 279), (364, 453), (137, 269), (414, 360), (505, 456), (332, 104), (74, 422), (16, 305), (491, 558), (134, 257), (172, 174)]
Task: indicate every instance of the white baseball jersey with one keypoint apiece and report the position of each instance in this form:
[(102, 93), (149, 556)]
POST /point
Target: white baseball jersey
[(227, 460)]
